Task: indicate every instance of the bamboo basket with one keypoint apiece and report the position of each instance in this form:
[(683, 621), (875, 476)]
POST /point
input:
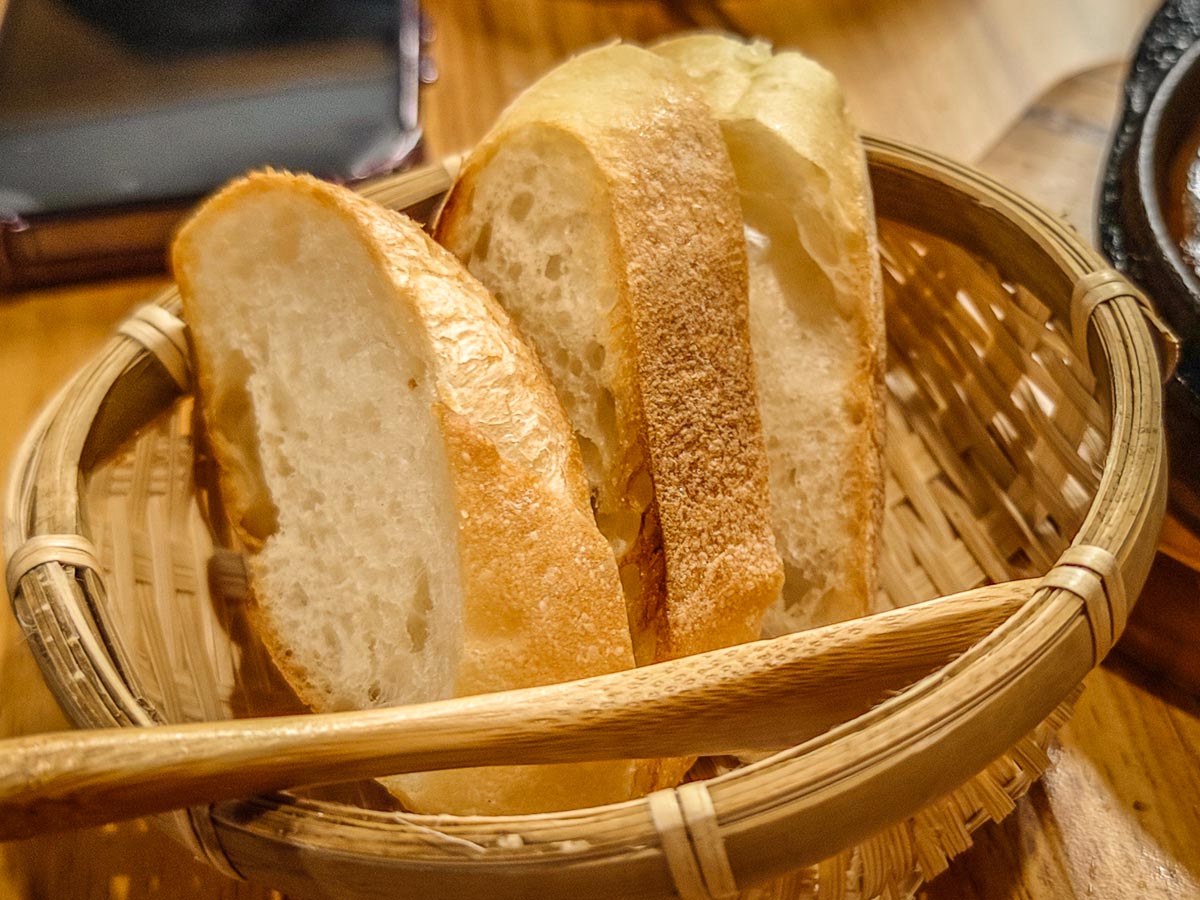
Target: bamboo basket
[(1024, 442)]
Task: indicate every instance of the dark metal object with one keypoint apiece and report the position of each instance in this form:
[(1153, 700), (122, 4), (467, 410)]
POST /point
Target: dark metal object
[(1161, 111), (95, 189)]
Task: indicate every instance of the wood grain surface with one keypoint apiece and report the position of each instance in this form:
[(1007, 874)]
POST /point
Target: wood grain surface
[(1119, 815)]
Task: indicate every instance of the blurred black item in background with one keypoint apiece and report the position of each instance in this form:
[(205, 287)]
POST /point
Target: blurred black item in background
[(164, 27), (1160, 116), (115, 115)]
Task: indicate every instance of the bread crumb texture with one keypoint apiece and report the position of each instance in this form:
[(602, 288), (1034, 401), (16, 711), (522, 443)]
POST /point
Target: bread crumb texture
[(624, 264), (401, 471)]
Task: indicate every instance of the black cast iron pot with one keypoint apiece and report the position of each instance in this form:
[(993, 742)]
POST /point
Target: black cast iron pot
[(1160, 120)]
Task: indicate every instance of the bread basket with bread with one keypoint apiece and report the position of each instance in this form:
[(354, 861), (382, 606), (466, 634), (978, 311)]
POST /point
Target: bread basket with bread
[(545, 504)]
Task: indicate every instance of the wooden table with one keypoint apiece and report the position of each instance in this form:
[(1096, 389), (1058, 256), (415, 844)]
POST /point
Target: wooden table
[(1119, 815)]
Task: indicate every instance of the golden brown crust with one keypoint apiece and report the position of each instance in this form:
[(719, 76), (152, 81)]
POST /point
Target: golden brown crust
[(677, 228), (788, 108), (517, 632), (458, 227), (541, 596), (687, 293)]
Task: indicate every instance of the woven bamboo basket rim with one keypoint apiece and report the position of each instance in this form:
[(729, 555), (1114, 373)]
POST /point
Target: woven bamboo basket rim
[(705, 838)]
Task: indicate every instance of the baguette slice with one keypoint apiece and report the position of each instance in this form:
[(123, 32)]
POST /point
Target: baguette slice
[(397, 463), (601, 210), (816, 315)]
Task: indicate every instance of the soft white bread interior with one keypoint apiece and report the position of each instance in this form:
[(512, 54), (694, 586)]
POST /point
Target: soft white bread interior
[(602, 212), (398, 465), (816, 315)]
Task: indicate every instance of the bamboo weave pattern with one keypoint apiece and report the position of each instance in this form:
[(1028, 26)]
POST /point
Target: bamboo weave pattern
[(997, 440)]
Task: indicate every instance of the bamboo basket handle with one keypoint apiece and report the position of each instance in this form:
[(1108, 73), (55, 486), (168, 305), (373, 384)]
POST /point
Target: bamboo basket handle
[(759, 696)]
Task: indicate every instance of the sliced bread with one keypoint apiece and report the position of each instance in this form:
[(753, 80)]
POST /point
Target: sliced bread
[(602, 212), (816, 315), (399, 468)]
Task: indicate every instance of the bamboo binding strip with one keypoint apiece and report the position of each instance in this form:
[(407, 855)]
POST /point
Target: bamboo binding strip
[(1008, 459), (1105, 285), (1091, 574), (163, 334), (686, 822)]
